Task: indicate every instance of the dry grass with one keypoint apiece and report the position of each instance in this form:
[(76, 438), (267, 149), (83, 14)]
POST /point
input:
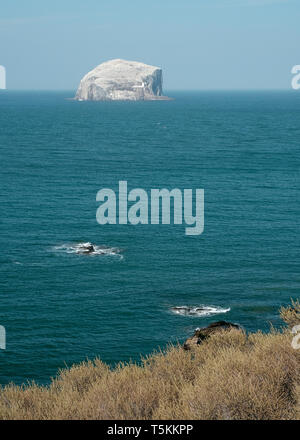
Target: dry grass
[(229, 376), (291, 315)]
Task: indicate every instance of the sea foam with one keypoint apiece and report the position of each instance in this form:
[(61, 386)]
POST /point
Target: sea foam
[(80, 249), (198, 310)]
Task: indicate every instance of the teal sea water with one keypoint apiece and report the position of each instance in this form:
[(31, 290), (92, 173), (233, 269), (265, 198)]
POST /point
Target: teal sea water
[(59, 307)]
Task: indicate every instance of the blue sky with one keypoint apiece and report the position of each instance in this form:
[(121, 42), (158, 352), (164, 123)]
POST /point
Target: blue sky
[(200, 44)]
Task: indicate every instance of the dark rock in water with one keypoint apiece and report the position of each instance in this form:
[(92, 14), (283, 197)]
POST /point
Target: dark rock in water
[(85, 248), (205, 332), (89, 249)]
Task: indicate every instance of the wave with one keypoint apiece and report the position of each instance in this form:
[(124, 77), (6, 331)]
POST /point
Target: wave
[(87, 249), (199, 310)]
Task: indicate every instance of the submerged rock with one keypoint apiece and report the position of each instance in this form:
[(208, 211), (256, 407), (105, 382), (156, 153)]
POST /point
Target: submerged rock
[(203, 333), (198, 311), (118, 80), (85, 248)]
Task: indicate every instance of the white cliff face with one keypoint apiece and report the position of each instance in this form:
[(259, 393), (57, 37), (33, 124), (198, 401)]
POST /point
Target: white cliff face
[(117, 80)]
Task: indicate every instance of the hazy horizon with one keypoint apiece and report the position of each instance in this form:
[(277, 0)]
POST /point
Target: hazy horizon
[(165, 91), (215, 45)]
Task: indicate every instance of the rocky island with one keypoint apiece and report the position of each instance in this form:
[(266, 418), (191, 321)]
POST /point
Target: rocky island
[(121, 80)]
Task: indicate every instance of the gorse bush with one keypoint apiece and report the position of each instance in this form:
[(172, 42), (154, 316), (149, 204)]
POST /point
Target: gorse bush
[(291, 315), (229, 376)]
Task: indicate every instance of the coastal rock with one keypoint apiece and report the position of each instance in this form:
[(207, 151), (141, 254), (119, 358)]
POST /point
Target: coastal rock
[(119, 80), (203, 333), (85, 248)]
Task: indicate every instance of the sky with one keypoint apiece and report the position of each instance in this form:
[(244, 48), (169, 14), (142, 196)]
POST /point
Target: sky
[(200, 44)]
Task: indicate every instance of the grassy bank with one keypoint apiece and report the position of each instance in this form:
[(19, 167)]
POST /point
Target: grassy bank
[(229, 376)]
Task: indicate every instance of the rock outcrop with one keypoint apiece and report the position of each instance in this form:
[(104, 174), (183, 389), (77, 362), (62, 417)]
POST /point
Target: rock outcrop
[(203, 333), (85, 248), (120, 80)]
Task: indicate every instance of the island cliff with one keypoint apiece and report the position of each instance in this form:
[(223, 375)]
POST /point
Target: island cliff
[(120, 80)]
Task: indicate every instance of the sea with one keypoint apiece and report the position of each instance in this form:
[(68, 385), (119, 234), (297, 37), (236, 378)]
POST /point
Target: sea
[(146, 286)]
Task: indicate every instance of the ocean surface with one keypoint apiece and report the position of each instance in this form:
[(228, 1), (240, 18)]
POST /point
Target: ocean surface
[(149, 284)]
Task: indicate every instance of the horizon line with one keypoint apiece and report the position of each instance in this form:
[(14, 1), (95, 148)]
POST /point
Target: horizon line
[(166, 91)]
